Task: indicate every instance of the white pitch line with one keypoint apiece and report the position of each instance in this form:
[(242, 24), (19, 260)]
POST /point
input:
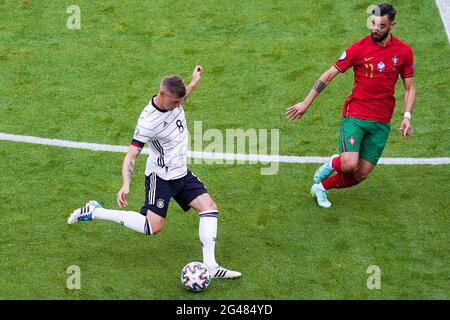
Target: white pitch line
[(444, 10), (263, 158)]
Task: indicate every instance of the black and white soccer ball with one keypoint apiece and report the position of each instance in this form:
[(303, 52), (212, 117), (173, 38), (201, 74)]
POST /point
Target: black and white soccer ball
[(195, 276)]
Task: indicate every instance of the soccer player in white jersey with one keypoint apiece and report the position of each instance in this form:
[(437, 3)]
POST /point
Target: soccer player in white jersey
[(162, 125)]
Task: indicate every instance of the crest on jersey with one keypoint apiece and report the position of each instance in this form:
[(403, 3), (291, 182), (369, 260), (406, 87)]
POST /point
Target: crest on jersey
[(381, 66), (352, 140), (343, 56), (160, 203), (395, 60)]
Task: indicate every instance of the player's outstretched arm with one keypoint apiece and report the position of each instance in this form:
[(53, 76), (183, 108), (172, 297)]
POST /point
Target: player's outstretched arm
[(196, 75), (410, 99), (127, 173), (298, 110)]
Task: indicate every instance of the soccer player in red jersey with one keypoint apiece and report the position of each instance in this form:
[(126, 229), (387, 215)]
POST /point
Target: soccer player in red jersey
[(377, 61)]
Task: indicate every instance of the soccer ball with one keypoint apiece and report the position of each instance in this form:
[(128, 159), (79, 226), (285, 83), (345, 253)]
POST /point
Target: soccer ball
[(195, 276)]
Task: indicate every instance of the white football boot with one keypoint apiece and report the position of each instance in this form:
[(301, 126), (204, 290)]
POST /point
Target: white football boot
[(318, 192), (223, 273), (84, 213)]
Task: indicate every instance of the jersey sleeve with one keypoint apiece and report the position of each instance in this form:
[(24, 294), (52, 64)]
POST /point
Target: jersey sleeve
[(347, 59), (142, 134), (407, 70)]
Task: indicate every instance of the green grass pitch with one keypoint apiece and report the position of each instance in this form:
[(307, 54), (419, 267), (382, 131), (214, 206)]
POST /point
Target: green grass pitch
[(260, 57)]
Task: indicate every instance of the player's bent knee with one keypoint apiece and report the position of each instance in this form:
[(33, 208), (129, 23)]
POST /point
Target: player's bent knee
[(155, 221), (349, 162), (360, 176), (209, 206), (214, 206), (156, 228), (349, 166), (203, 203)]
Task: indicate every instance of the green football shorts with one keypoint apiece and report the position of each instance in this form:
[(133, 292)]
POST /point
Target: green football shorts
[(363, 136)]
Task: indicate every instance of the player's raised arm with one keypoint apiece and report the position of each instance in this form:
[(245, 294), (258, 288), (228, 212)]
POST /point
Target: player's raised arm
[(196, 75), (127, 172), (296, 111), (410, 98)]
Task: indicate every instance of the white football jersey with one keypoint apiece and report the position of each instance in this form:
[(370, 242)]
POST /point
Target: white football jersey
[(167, 137)]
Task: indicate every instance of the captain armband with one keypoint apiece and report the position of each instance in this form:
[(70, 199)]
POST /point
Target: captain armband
[(138, 144)]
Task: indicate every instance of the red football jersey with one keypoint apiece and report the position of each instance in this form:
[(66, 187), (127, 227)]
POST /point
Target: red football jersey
[(376, 71)]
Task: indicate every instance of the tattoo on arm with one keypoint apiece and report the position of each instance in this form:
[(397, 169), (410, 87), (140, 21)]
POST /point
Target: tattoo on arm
[(319, 86), (130, 168)]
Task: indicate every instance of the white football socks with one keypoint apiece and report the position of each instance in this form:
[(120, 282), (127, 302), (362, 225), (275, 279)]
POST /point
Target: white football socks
[(130, 219), (207, 230), (138, 222)]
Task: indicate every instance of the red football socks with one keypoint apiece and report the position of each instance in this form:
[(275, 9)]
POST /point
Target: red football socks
[(340, 180), (336, 164)]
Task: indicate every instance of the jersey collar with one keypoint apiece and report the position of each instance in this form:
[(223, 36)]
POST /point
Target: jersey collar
[(155, 106)]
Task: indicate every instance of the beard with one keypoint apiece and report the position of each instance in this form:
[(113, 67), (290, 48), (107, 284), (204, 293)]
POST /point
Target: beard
[(379, 37)]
